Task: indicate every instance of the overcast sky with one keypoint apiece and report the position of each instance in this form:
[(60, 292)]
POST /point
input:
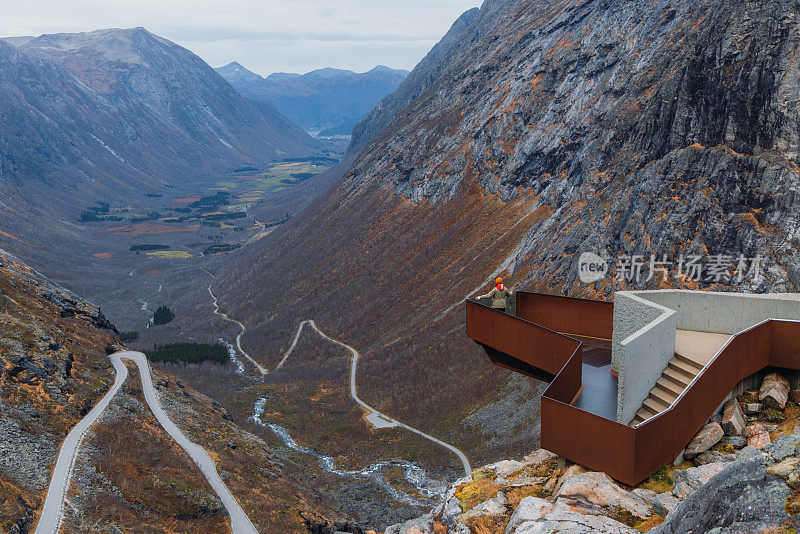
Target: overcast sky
[(263, 35)]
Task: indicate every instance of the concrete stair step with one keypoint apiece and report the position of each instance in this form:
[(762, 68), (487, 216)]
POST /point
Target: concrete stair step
[(678, 377), (669, 385), (683, 367), (665, 396), (655, 404), (645, 413), (691, 363)]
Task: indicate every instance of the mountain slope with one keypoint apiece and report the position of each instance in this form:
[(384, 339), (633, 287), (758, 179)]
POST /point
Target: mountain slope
[(178, 94), (320, 99), (559, 128), (106, 112)]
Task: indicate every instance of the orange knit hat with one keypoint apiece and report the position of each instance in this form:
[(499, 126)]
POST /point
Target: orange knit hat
[(499, 280)]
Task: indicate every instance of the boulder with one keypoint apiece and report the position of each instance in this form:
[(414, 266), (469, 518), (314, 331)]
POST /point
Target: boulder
[(737, 442), (596, 493), (570, 472), (794, 396), (774, 391), (733, 421), (784, 468), (747, 449), (494, 506), (504, 468), (710, 457), (752, 408), (664, 503), (539, 456), (743, 496), (688, 480), (565, 521), (708, 436), (757, 435), (420, 525), (528, 509)]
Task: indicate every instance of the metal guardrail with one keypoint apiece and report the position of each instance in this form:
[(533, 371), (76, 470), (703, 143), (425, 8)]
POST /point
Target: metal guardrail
[(538, 338)]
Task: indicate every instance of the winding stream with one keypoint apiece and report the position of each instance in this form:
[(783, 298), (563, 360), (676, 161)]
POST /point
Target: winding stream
[(414, 475)]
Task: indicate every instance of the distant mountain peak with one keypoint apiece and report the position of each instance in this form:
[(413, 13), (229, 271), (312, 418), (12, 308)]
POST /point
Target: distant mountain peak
[(234, 71), (384, 68)]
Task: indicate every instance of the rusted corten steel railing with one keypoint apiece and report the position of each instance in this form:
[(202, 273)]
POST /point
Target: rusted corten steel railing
[(628, 454)]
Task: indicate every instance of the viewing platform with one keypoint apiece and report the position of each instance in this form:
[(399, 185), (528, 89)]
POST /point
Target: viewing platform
[(631, 382)]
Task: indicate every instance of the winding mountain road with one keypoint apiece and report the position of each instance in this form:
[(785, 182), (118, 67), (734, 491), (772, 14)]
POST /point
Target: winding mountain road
[(377, 418), (374, 412), (53, 508)]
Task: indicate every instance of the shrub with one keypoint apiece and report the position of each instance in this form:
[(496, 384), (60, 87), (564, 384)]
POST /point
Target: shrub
[(772, 416), (148, 246), (163, 315), (128, 337), (214, 249), (188, 353)]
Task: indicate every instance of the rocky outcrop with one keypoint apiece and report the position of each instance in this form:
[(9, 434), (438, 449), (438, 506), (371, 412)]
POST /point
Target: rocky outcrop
[(597, 494), (565, 521), (687, 481), (744, 494), (774, 392), (708, 436), (69, 303)]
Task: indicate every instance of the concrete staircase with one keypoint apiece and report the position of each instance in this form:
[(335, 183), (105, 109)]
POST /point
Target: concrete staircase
[(674, 379), (693, 350)]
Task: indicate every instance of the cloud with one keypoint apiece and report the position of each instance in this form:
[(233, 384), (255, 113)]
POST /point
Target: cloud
[(266, 36)]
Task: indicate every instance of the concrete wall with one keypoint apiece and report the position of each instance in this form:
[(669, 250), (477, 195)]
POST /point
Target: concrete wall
[(724, 313), (643, 342), (631, 314), (640, 349)]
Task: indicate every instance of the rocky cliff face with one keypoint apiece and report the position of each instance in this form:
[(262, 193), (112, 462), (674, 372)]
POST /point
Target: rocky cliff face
[(663, 128)]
